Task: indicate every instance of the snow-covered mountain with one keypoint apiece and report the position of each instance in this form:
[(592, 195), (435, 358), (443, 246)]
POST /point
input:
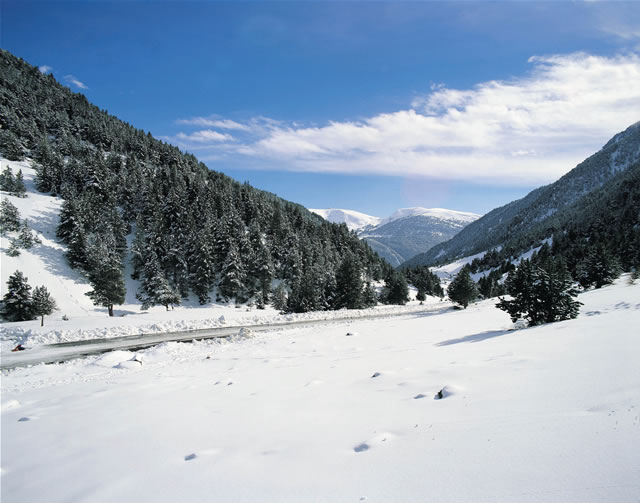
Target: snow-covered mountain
[(406, 232), (354, 219), (438, 213), (518, 224)]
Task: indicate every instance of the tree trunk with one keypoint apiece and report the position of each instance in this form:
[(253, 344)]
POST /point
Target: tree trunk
[(111, 310), (167, 306), (42, 320)]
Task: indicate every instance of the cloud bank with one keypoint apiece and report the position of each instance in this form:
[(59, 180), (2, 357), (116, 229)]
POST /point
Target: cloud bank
[(526, 130)]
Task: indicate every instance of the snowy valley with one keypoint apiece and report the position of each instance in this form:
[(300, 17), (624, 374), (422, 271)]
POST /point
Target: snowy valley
[(346, 412)]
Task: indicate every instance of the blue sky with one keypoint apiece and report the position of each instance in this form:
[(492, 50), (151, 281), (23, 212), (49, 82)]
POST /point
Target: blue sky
[(366, 106)]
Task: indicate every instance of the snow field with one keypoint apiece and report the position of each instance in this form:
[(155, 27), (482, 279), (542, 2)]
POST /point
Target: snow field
[(549, 413)]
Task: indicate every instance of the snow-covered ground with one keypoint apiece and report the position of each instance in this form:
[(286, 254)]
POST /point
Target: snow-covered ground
[(343, 413)]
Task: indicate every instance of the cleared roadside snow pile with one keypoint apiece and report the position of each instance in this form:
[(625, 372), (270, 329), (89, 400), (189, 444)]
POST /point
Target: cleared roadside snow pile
[(548, 413)]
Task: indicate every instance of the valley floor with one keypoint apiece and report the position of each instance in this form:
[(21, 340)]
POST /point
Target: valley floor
[(343, 413)]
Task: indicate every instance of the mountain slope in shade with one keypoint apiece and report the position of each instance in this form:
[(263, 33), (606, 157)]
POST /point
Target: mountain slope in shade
[(510, 225), (406, 232)]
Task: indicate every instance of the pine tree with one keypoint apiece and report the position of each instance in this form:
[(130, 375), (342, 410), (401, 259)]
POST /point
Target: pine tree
[(462, 289), (7, 180), (232, 274), (396, 290), (17, 303), (155, 289), (27, 238), (43, 303), (9, 217), (19, 188), (349, 283), (541, 293), (369, 296), (599, 268), (279, 297), (105, 271)]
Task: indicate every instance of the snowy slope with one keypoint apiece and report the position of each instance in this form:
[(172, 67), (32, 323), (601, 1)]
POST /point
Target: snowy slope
[(44, 264), (354, 219), (550, 413)]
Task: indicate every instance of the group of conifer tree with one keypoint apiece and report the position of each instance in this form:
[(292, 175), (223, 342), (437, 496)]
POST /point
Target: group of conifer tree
[(193, 231)]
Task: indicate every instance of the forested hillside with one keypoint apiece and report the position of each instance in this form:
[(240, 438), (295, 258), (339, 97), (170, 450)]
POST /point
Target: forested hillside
[(191, 230), (520, 225)]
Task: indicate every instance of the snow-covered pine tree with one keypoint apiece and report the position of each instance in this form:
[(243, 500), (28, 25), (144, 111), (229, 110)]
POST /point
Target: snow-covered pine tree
[(17, 303), (396, 290), (203, 267), (19, 188), (7, 180), (349, 283), (27, 238), (599, 268), (43, 303), (232, 275), (279, 297), (155, 289), (9, 217), (541, 293), (463, 289), (105, 269)]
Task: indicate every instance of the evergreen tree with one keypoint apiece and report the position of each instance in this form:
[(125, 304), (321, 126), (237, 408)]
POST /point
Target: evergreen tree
[(7, 180), (599, 268), (369, 296), (43, 303), (155, 289), (27, 238), (105, 271), (396, 290), (19, 188), (541, 293), (17, 303), (9, 217), (13, 184), (279, 298), (462, 289), (10, 145), (232, 274), (349, 284)]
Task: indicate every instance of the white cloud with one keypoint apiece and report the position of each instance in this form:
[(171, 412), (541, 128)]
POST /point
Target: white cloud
[(45, 68), (204, 136), (528, 130), (216, 123), (72, 80)]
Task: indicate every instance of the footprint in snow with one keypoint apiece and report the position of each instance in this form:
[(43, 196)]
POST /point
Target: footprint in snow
[(419, 396), (361, 447), (23, 419), (189, 457)]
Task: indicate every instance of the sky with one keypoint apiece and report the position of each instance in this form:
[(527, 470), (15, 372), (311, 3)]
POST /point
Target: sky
[(370, 106)]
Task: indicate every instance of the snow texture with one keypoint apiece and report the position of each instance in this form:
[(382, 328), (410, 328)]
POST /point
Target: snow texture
[(549, 413)]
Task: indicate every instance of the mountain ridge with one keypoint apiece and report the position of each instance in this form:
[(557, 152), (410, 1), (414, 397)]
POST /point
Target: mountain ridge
[(507, 225)]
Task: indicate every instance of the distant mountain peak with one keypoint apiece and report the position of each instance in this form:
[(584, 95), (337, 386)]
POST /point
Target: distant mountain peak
[(441, 213), (353, 219), (406, 232)]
